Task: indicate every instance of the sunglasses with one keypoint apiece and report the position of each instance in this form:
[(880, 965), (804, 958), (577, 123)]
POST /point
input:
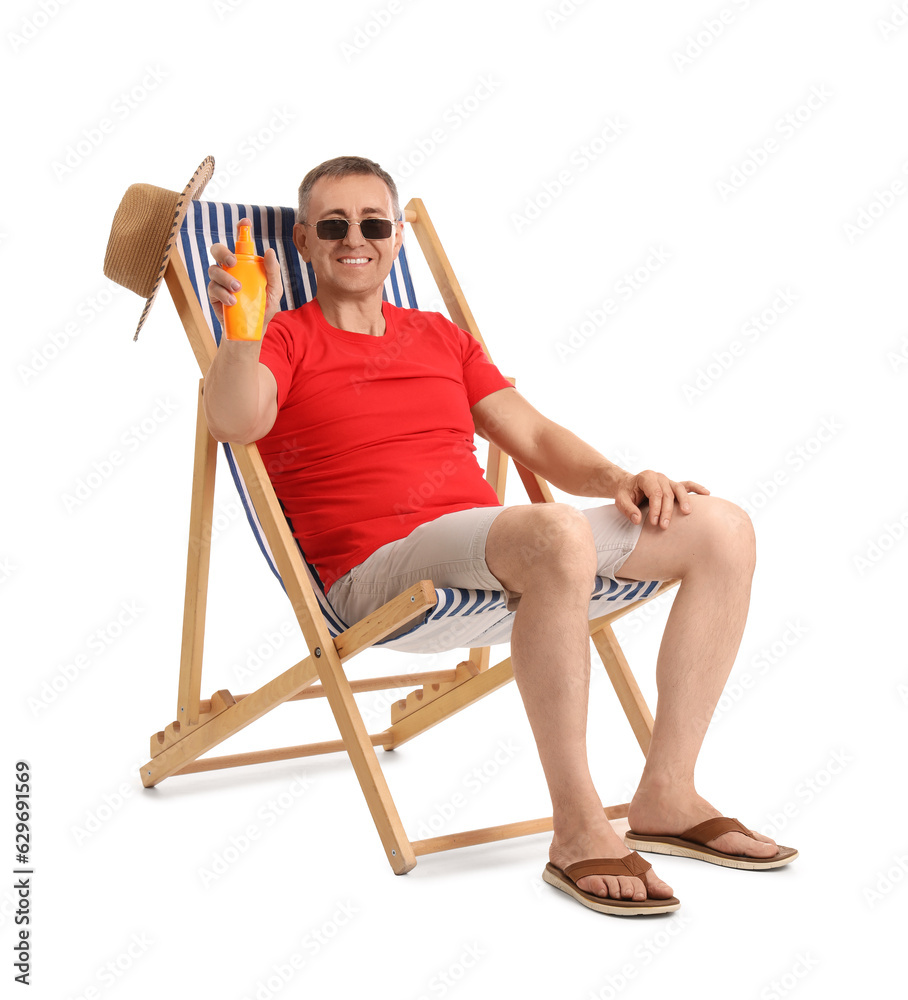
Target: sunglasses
[(336, 229)]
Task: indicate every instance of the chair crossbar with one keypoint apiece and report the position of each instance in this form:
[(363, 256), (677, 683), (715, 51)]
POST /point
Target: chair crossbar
[(391, 682), (506, 831)]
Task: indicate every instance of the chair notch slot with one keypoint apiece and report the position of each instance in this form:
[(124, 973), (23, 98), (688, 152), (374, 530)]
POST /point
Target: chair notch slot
[(220, 702), (428, 693)]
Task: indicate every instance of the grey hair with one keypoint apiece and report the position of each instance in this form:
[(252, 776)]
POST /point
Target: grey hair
[(344, 166)]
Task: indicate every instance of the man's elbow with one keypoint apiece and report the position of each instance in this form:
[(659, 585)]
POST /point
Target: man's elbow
[(234, 416), (238, 435), (230, 433)]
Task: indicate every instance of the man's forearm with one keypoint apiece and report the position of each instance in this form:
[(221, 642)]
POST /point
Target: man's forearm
[(231, 391), (573, 466)]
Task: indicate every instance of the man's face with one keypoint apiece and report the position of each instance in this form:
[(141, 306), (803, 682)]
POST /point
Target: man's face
[(352, 266)]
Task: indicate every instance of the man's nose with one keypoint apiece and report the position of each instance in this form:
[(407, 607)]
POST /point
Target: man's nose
[(354, 236)]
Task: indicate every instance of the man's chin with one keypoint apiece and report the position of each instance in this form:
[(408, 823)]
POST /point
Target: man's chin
[(356, 282)]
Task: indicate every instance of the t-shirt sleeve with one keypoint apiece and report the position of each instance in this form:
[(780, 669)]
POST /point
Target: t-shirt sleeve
[(480, 376), (281, 353)]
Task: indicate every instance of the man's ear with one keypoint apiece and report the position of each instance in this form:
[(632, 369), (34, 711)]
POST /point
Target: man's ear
[(299, 241), (398, 238)]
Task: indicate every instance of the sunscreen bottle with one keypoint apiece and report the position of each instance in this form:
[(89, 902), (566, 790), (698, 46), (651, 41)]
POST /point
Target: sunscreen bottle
[(243, 321)]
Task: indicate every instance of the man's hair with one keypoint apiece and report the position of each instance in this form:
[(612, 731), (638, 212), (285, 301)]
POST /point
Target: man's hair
[(344, 166)]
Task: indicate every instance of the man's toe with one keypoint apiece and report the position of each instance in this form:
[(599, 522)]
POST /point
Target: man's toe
[(626, 887), (613, 886), (595, 884), (738, 843), (631, 888), (763, 839), (656, 888)]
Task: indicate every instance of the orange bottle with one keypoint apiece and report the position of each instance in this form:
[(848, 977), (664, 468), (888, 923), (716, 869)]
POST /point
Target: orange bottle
[(244, 320)]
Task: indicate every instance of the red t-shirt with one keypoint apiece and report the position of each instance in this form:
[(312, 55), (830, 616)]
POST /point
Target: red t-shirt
[(373, 435)]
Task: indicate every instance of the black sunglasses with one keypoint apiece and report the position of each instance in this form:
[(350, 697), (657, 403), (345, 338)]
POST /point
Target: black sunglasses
[(336, 229)]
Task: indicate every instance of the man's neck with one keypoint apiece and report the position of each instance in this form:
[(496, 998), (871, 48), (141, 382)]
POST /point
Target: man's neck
[(354, 315)]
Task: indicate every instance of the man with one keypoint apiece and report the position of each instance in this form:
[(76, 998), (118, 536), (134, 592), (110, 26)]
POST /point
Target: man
[(349, 399)]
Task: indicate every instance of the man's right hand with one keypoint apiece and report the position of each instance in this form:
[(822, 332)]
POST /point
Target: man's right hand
[(222, 285), (240, 393)]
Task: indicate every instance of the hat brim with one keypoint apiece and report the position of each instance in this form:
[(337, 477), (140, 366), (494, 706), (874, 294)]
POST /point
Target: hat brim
[(191, 192), (144, 233)]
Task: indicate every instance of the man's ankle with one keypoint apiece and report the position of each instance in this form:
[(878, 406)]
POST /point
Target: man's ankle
[(655, 785), (573, 826)]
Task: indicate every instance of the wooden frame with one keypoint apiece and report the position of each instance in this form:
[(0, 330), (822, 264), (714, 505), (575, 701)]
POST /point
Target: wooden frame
[(200, 725)]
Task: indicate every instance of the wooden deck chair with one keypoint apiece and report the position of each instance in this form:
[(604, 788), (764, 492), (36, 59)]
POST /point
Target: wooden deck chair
[(442, 619)]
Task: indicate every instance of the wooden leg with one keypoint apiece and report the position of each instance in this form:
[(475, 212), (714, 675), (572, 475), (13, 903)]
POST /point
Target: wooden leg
[(365, 763), (625, 684), (201, 739), (480, 655), (328, 663), (197, 562)]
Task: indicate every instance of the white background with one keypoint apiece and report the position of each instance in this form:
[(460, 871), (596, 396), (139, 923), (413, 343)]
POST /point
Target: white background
[(482, 110)]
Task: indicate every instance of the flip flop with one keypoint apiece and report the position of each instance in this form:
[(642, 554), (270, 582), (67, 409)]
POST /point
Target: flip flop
[(632, 865), (692, 844)]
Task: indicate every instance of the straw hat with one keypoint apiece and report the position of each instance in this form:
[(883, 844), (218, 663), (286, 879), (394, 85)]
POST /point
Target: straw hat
[(144, 232)]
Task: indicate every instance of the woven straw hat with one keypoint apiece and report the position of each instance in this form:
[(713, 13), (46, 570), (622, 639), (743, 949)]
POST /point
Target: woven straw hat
[(144, 232)]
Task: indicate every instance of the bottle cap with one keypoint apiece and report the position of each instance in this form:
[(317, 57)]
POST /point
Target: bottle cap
[(244, 241)]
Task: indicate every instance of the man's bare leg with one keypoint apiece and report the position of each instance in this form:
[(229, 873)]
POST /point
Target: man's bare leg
[(546, 553), (712, 550)]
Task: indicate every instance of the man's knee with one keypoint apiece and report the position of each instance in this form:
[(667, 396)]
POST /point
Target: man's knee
[(727, 530), (532, 538)]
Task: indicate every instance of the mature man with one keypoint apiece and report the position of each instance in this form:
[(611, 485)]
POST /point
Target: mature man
[(345, 438)]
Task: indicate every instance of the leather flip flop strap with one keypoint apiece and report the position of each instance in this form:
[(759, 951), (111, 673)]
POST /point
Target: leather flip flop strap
[(632, 865), (712, 828)]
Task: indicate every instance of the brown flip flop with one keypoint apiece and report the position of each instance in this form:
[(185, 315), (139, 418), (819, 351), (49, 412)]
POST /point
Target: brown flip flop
[(692, 844), (632, 865)]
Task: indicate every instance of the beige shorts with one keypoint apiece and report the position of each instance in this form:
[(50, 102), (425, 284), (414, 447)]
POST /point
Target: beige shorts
[(450, 551)]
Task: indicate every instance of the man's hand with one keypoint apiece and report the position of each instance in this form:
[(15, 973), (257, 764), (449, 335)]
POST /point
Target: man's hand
[(222, 285), (661, 492)]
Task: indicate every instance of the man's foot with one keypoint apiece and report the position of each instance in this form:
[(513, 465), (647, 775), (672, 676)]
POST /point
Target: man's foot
[(670, 815), (599, 840)]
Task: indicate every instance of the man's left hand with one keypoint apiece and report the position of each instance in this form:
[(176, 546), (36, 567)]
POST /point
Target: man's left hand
[(659, 490)]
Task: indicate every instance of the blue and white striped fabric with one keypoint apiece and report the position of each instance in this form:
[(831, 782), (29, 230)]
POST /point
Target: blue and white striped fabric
[(461, 618)]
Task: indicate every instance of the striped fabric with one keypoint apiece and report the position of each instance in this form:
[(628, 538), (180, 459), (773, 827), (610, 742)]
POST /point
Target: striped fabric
[(461, 618)]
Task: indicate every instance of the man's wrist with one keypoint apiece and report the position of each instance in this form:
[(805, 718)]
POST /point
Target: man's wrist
[(240, 352), (604, 481)]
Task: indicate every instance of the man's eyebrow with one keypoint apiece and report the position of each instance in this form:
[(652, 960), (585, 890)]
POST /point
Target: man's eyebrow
[(366, 211)]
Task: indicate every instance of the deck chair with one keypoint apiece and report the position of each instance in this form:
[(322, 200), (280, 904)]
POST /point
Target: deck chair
[(441, 619)]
